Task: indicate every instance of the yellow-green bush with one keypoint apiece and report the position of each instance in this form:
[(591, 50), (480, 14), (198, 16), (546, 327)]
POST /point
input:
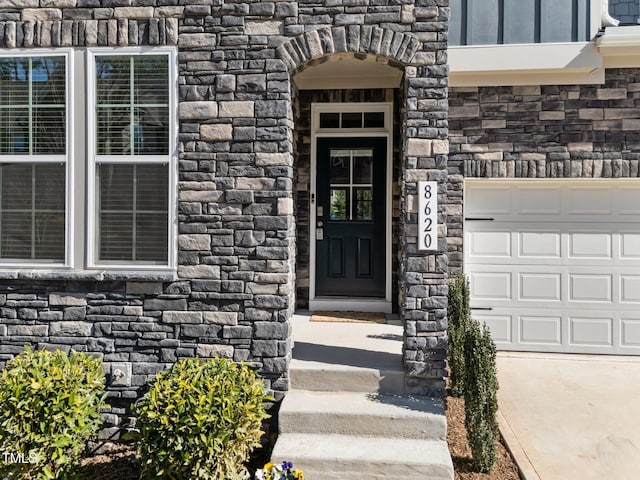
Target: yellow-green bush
[(201, 419), (49, 407)]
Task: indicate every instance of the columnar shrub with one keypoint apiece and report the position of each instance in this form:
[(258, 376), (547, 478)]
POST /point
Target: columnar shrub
[(49, 407), (201, 419), (480, 396), (459, 319)]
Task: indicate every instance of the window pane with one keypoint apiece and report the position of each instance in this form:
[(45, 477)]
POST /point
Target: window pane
[(329, 120), (364, 204), (114, 135), (116, 187), (373, 119), (152, 191), (113, 80), (339, 168), (132, 105), (48, 130), (152, 237), (32, 105), (14, 131), (151, 135), (363, 167), (151, 80), (32, 211), (48, 80), (352, 120), (133, 212), (338, 204)]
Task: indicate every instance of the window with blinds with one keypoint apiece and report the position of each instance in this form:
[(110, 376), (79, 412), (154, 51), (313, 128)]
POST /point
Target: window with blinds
[(33, 158), (132, 158)]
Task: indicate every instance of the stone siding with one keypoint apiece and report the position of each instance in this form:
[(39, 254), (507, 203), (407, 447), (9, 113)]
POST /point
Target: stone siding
[(572, 131), (234, 290)]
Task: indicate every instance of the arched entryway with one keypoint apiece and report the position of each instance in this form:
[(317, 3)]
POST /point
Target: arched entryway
[(351, 76), (347, 149)]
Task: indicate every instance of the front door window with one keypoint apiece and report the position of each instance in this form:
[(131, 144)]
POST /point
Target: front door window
[(351, 184)]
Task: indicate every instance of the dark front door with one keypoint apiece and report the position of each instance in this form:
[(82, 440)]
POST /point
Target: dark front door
[(350, 216)]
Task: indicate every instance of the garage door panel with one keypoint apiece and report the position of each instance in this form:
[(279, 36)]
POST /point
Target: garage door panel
[(630, 332), (539, 201), (630, 245), (627, 201), (558, 269), (591, 331), (589, 200), (589, 245), (540, 287), (630, 288), (495, 200), (490, 244), (590, 288), (491, 285), (540, 329), (539, 244), (499, 326)]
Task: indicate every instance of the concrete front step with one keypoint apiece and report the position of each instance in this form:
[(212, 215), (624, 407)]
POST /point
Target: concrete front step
[(323, 457), (362, 414), (327, 377)]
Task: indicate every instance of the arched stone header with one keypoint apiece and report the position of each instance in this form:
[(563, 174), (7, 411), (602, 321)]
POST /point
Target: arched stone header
[(398, 47)]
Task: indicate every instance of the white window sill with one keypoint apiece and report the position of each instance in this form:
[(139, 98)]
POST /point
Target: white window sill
[(90, 275)]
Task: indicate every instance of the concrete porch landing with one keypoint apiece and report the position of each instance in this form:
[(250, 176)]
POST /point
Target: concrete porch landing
[(368, 354), (346, 415)]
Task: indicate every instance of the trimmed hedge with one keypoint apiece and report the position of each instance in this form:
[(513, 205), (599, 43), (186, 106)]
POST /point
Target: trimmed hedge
[(201, 419), (49, 407)]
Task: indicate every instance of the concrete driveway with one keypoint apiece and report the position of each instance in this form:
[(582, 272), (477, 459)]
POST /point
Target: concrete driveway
[(569, 417)]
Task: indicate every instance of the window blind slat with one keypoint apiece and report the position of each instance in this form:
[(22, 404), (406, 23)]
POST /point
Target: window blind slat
[(32, 211), (133, 212)]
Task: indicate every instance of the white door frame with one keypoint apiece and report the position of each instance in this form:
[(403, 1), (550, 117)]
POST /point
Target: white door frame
[(349, 303)]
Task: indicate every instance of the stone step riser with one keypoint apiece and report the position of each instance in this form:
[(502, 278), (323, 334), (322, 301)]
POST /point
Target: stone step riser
[(356, 380), (320, 470), (361, 425), (323, 470), (337, 457)]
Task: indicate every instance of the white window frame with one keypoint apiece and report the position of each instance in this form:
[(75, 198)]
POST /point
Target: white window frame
[(80, 235), (67, 158), (93, 160)]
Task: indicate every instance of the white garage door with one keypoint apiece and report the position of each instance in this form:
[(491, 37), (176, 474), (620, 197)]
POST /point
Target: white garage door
[(554, 266)]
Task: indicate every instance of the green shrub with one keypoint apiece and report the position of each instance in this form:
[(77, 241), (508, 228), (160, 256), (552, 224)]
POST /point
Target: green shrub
[(201, 419), (49, 407), (459, 319), (480, 396)]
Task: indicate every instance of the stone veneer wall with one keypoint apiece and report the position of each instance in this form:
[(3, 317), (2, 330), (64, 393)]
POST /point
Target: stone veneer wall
[(569, 131), (233, 292)]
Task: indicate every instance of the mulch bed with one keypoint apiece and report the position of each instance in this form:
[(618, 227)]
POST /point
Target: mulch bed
[(120, 461), (505, 468)]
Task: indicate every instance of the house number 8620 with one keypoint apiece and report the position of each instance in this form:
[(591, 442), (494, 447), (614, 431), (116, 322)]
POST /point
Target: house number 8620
[(427, 216)]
